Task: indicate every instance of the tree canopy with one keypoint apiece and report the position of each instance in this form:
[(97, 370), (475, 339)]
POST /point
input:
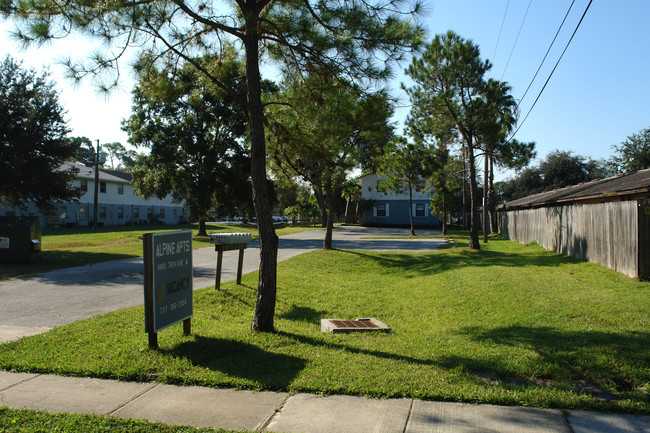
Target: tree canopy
[(454, 103), (406, 166), (322, 130), (33, 144), (196, 135), (355, 38), (557, 170), (118, 157), (85, 153), (633, 154)]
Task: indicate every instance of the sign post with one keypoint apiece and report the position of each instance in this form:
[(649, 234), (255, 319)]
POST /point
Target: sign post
[(167, 282), (229, 242)]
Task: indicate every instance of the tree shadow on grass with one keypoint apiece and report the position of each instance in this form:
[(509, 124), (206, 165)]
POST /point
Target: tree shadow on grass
[(574, 358), (432, 263), (302, 314), (233, 295), (303, 339), (237, 359), (610, 360)]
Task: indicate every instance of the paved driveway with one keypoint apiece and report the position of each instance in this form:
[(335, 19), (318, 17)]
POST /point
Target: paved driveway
[(35, 304)]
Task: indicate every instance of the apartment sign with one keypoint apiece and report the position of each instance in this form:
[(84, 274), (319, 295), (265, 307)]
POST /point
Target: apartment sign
[(167, 279)]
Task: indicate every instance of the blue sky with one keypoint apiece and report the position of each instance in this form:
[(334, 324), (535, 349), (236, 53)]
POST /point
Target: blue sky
[(597, 96)]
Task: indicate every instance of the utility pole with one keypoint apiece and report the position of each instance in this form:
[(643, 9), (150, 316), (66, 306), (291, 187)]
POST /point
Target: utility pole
[(95, 213)]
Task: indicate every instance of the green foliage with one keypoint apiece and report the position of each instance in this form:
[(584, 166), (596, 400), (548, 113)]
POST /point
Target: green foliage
[(634, 153), (119, 157), (510, 324), (558, 170), (322, 129), (32, 140), (445, 180), (453, 102), (85, 153), (450, 102), (357, 39), (406, 166), (195, 132)]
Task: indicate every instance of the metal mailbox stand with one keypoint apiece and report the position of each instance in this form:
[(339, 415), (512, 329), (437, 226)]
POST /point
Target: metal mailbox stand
[(229, 247)]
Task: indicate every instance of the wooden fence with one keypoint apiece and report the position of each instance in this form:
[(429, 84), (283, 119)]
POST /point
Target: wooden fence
[(614, 234)]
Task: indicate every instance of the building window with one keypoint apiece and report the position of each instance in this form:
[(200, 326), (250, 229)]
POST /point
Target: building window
[(102, 187), (381, 210), (10, 213), (162, 213), (419, 210), (84, 185), (136, 213), (83, 213), (63, 212), (150, 213), (120, 189), (174, 213), (102, 212), (120, 213)]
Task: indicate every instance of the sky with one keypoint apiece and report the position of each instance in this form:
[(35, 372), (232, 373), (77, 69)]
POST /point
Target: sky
[(597, 96)]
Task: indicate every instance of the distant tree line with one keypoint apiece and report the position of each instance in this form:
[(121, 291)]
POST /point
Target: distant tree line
[(560, 168)]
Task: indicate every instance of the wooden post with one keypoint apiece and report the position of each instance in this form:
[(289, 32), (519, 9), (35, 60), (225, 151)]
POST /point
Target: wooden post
[(217, 280), (240, 264), (153, 340), (187, 326), (148, 290)]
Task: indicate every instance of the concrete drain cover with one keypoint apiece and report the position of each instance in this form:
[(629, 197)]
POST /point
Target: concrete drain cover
[(359, 325)]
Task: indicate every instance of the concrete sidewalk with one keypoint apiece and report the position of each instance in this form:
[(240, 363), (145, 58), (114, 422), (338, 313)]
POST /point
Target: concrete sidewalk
[(297, 413)]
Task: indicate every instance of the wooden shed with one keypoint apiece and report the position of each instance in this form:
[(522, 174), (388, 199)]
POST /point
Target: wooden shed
[(606, 221)]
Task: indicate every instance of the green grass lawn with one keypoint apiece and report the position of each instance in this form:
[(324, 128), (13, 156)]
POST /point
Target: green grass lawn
[(31, 421), (510, 324), (68, 247)]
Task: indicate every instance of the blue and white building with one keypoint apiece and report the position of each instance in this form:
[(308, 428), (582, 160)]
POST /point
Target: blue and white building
[(392, 209), (117, 203)]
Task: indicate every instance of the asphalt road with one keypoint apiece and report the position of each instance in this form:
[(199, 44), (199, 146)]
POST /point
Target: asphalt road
[(34, 304)]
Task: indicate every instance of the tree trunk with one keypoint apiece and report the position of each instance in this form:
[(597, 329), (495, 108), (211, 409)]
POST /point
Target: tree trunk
[(266, 286), (444, 214), (202, 230), (329, 194), (318, 192), (492, 199), (485, 196), (411, 209), (473, 196)]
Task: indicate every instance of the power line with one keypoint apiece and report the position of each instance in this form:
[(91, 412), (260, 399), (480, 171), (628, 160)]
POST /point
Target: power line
[(547, 51), (500, 31), (516, 39), (551, 74)]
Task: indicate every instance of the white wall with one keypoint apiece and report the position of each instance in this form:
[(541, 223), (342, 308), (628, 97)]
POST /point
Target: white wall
[(369, 190)]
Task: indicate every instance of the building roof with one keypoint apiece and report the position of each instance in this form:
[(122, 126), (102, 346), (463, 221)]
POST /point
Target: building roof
[(619, 187), (104, 175), (117, 173)]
